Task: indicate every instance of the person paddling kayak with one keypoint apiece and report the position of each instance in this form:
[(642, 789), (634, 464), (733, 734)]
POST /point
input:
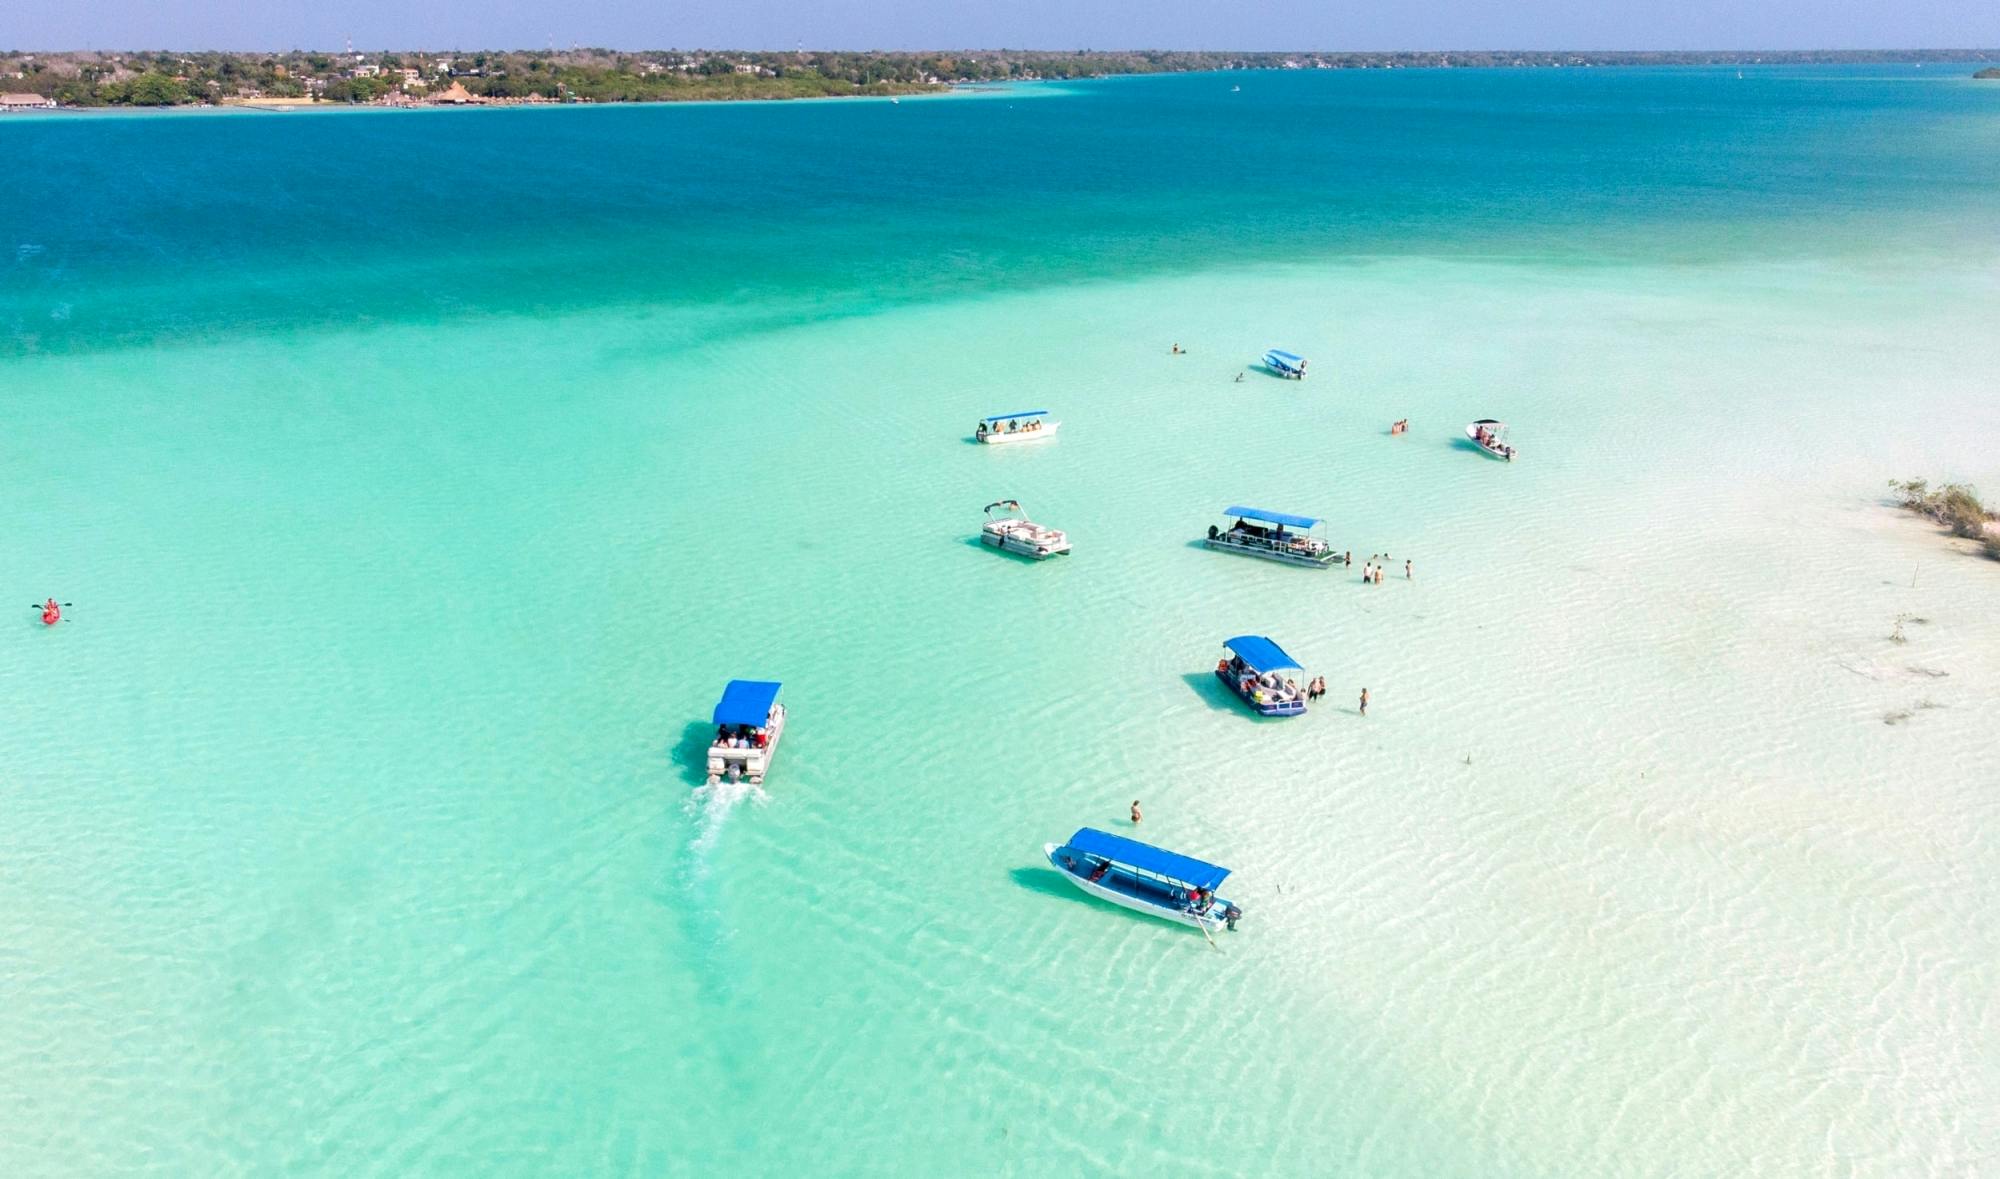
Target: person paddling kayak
[(51, 612)]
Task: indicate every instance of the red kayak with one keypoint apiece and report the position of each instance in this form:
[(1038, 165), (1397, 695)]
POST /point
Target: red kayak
[(51, 613)]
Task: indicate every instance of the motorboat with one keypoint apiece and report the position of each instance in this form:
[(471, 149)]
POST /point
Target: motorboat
[(1288, 365), (1011, 531), (1144, 878), (1274, 536), (1028, 425), (1491, 436), (1255, 670), (748, 722)]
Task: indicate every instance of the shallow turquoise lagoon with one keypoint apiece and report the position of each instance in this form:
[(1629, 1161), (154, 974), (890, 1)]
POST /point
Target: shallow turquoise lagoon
[(419, 480)]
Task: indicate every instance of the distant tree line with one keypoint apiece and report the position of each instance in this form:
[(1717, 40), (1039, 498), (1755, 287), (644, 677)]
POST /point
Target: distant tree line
[(600, 75)]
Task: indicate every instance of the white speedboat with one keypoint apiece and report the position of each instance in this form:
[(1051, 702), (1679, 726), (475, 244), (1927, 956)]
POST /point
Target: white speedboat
[(1011, 531), (1144, 878), (748, 722), (1028, 425), (1491, 437)]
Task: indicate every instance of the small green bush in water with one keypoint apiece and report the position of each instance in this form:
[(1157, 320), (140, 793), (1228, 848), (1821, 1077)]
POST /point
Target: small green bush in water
[(1954, 505)]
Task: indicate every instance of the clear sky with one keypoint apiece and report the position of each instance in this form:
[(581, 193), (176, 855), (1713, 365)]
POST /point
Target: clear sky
[(1036, 24)]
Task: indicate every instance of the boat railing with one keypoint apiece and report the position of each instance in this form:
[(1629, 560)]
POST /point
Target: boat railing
[(1146, 888), (1293, 542)]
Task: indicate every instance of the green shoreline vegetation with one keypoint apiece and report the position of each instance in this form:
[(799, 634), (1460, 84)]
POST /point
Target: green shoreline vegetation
[(1955, 506), (409, 78)]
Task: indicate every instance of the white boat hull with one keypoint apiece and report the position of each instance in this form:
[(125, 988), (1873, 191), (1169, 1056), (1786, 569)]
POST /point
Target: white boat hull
[(1032, 542), (1285, 556), (1212, 919), (751, 764), (1046, 431)]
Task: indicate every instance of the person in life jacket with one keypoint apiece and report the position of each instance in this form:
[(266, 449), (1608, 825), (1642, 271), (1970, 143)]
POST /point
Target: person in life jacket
[(51, 613)]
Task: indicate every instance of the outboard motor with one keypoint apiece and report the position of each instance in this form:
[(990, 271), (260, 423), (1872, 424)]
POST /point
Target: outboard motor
[(1231, 915)]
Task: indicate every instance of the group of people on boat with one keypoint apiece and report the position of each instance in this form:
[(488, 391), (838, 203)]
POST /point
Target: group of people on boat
[(1274, 537), (1013, 427), (1488, 438), (741, 737), (1255, 684), (1197, 899)]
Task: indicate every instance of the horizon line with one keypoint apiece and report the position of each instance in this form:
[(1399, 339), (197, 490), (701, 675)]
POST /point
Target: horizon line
[(580, 48)]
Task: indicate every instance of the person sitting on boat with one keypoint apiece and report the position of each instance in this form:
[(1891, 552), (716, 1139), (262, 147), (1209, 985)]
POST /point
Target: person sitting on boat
[(1097, 873), (763, 739), (1197, 899)]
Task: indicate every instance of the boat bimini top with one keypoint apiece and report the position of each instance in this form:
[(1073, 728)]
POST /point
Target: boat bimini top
[(1011, 417), (747, 702), (1278, 518), (1285, 362), (1261, 654), (1144, 857)]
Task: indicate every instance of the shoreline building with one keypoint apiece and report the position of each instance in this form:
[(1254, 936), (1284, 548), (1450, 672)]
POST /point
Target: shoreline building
[(26, 102)]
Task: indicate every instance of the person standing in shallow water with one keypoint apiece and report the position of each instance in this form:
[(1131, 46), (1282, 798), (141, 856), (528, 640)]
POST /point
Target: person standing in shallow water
[(1364, 702), (1136, 816)]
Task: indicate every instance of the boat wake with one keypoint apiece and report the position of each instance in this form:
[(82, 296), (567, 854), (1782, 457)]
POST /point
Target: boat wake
[(710, 807)]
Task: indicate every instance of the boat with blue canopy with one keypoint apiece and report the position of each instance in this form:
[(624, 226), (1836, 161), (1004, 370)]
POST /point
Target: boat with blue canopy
[(1274, 536), (1255, 670), (748, 722), (1288, 365), (1144, 878), (1025, 425)]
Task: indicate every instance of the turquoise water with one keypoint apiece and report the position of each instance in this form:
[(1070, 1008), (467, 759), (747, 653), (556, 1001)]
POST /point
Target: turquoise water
[(419, 479)]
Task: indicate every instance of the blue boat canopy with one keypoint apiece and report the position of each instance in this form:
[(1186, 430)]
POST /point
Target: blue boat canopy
[(1147, 858), (1276, 354), (1270, 517), (1261, 653), (746, 702), (1026, 413)]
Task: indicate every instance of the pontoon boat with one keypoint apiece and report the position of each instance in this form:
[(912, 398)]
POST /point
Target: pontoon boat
[(1491, 437), (1011, 531), (1289, 539), (1144, 878), (748, 722), (1285, 364), (1255, 670), (1028, 425)]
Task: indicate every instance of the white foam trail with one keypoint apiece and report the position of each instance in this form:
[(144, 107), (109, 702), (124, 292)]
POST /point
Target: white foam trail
[(711, 807)]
